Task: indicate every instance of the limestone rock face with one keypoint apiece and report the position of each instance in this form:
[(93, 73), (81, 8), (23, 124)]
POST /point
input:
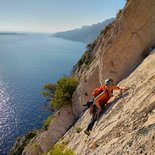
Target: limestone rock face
[(61, 122), (22, 142), (123, 47), (115, 54), (128, 125)]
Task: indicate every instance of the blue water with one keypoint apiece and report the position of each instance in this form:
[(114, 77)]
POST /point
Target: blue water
[(27, 62)]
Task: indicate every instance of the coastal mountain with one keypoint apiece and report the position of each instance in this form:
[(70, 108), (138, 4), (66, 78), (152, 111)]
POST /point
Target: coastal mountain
[(85, 34), (125, 52), (11, 33)]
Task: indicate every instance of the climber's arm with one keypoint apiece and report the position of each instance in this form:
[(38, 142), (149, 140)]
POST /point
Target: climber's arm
[(100, 97)]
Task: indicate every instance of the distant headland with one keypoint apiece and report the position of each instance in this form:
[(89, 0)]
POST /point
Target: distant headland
[(11, 33)]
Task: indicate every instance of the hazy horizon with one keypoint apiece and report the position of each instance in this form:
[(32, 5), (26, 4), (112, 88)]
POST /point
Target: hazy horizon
[(51, 32), (10, 31), (50, 16)]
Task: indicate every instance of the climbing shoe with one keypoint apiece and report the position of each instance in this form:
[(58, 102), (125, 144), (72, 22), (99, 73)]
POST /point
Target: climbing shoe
[(87, 132)]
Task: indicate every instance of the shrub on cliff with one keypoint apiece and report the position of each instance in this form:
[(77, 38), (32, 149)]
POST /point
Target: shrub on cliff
[(78, 129), (59, 149), (47, 122), (86, 59), (60, 94), (63, 92), (48, 91)]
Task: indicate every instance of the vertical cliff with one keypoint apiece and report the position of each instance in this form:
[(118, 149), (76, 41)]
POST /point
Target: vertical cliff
[(122, 47)]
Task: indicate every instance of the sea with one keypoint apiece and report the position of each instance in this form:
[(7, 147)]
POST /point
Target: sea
[(27, 62)]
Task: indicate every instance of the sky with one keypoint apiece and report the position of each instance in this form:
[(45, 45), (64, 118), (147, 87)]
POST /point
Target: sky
[(54, 15)]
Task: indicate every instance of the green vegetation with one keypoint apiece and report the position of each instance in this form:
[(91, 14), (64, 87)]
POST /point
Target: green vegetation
[(106, 30), (60, 94), (64, 91), (119, 13), (86, 59), (47, 122), (80, 62), (59, 149), (49, 90), (78, 129), (89, 46)]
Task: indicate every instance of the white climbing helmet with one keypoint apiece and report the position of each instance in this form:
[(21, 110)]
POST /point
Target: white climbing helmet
[(109, 81)]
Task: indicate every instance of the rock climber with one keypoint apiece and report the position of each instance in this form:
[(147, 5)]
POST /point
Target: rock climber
[(101, 97)]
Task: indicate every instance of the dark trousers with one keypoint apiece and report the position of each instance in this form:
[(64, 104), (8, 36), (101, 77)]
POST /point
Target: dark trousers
[(95, 116)]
